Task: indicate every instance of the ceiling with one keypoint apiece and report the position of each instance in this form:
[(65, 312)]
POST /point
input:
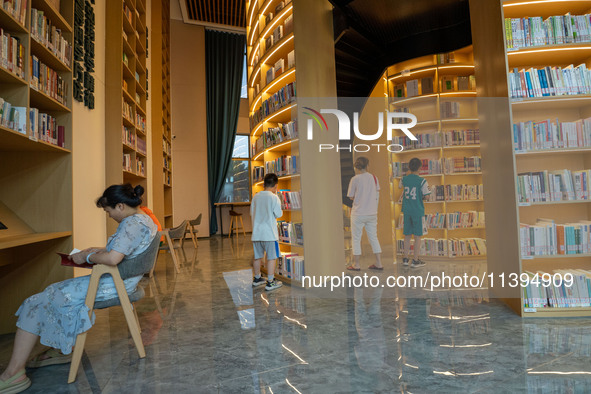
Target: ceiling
[(218, 12), (370, 35)]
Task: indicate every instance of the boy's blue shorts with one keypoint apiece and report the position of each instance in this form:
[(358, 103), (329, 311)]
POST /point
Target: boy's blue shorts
[(413, 225)]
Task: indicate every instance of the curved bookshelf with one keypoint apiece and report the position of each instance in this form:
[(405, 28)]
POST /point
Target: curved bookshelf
[(275, 116)]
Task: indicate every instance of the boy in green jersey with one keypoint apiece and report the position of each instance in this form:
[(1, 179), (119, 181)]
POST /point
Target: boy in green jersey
[(415, 188)]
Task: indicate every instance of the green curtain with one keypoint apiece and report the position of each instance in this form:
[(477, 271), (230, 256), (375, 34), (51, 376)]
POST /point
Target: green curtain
[(224, 57)]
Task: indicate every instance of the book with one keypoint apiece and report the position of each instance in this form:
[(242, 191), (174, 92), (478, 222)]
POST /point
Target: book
[(278, 67), (268, 18), (427, 85), (447, 83), (291, 59), (279, 7), (270, 75), (288, 25), (412, 88), (278, 33), (66, 262), (399, 90)]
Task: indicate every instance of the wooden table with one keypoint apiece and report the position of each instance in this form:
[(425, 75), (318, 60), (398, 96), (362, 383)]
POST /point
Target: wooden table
[(231, 205)]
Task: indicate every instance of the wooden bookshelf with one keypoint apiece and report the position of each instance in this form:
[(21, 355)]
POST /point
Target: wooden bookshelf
[(323, 230), (503, 162), (161, 115), (36, 176), (126, 95), (437, 88)]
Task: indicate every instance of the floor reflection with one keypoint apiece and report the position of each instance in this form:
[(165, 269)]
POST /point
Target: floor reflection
[(207, 331)]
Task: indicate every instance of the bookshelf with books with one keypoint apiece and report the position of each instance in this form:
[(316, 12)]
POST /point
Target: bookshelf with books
[(539, 94), (440, 91), (161, 116), (273, 36), (126, 93), (35, 149)]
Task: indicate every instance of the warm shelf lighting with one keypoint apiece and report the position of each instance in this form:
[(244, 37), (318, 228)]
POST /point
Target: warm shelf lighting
[(275, 50), (257, 156), (413, 72), (251, 13), (525, 50), (536, 2), (276, 20), (281, 78), (255, 77), (254, 133), (280, 145), (252, 33), (253, 53), (254, 105)]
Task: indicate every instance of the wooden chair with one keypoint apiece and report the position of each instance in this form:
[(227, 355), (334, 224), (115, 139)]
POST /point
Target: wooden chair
[(192, 231), (172, 234), (234, 216), (141, 264)]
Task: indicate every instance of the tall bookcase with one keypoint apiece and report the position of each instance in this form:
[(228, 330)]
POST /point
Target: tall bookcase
[(161, 115), (275, 37), (35, 162), (504, 104), (440, 91), (126, 93)]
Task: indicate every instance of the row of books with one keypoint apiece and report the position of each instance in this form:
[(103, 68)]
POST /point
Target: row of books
[(456, 192), (275, 135), (447, 83), (560, 292), (440, 139), (48, 81), (258, 173), (127, 13), (284, 165), (558, 185), (550, 81), (166, 147), (551, 134), (127, 111), (17, 9), (43, 30), (166, 163), (279, 67), (127, 162), (454, 165), (141, 146), (278, 100), (428, 167), (140, 122), (452, 247), (536, 31), (290, 199), (546, 238), (12, 53), (450, 221), (289, 232), (290, 265), (13, 117), (44, 127), (449, 110), (449, 165), (128, 136)]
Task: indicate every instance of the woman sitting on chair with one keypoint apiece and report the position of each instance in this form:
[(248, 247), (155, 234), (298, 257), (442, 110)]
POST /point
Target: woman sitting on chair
[(58, 314)]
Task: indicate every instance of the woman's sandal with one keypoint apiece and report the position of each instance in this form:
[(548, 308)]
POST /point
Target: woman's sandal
[(375, 267), (49, 357), (15, 384), (352, 268)]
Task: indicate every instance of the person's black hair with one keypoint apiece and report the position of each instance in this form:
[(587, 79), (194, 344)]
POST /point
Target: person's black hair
[(117, 194), (361, 163), (270, 180), (415, 164)]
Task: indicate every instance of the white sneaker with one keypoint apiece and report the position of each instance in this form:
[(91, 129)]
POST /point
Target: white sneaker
[(274, 285), (259, 282)]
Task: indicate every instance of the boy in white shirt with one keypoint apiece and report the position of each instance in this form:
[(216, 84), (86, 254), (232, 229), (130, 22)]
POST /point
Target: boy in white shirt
[(265, 209)]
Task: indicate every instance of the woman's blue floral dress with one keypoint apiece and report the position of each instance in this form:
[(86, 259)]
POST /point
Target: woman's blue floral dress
[(58, 314)]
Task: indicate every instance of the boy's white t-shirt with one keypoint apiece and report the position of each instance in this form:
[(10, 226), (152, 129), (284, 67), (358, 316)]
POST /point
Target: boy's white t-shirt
[(264, 211), (364, 189)]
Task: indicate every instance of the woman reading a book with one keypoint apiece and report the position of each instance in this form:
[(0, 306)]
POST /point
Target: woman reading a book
[(58, 314)]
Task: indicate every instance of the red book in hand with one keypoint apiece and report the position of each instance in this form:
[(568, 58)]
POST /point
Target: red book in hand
[(69, 263)]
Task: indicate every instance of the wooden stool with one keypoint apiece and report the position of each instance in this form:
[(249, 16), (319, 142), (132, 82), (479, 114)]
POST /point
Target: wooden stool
[(234, 216)]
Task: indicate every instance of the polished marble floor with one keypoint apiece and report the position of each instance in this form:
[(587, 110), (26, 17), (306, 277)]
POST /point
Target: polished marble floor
[(207, 331)]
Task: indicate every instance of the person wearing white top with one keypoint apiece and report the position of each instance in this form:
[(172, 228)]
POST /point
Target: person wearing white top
[(265, 209), (364, 191)]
